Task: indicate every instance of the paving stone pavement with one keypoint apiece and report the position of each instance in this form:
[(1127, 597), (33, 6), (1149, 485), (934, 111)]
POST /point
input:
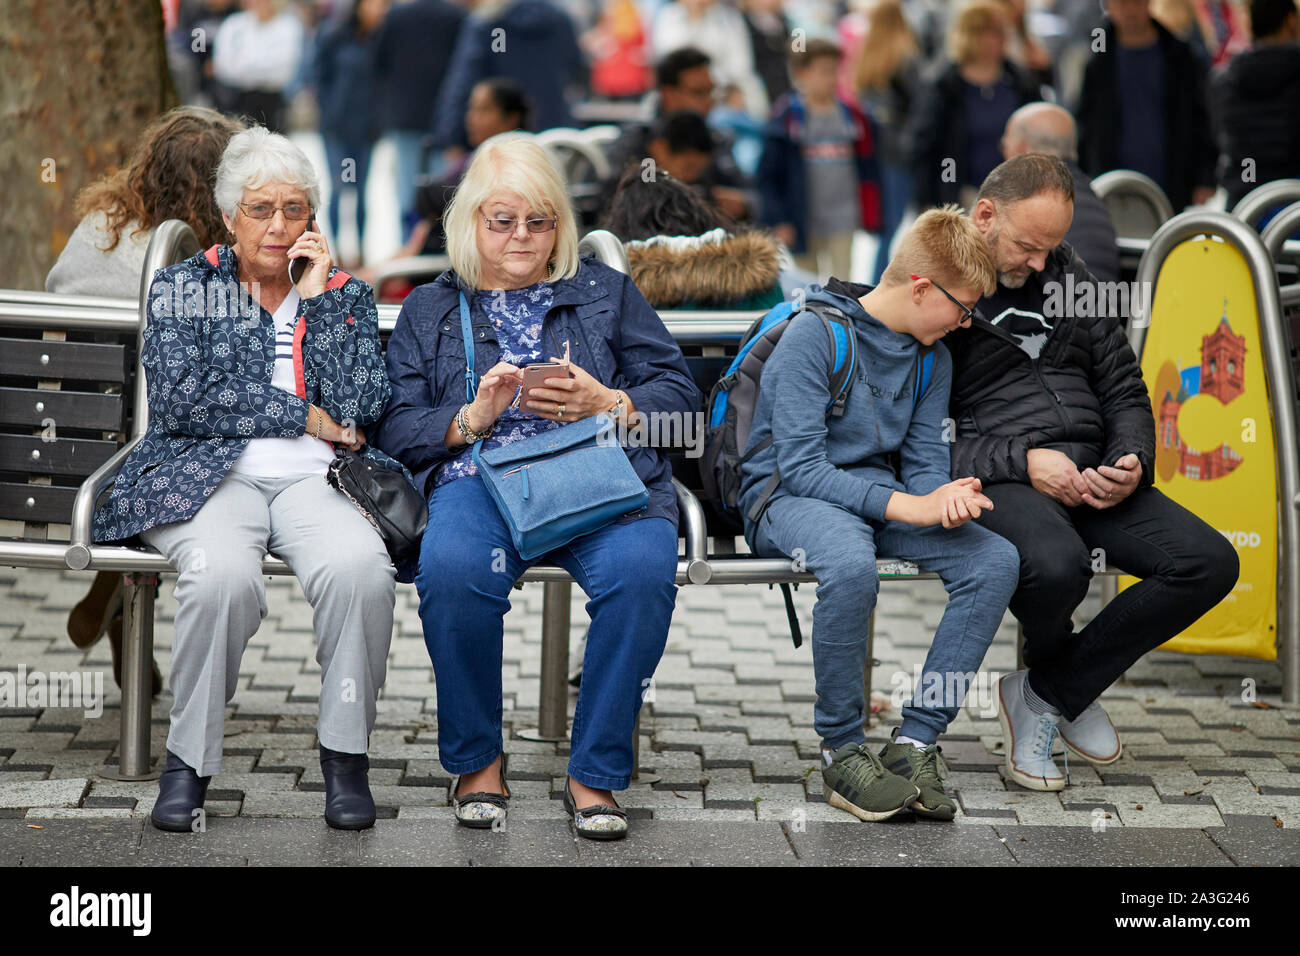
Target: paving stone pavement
[(726, 739)]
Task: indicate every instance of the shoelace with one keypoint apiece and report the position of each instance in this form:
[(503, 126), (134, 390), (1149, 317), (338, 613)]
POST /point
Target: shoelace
[(1045, 735), (877, 768), (932, 762)]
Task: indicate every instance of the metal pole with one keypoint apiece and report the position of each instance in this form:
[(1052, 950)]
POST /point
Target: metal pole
[(553, 705), (636, 746), (137, 676), (1281, 392), (866, 668)]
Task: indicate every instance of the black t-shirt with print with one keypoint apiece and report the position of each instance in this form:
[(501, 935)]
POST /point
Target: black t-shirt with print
[(1020, 312)]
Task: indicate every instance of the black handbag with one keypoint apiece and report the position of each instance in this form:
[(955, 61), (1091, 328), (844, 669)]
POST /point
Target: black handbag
[(384, 497)]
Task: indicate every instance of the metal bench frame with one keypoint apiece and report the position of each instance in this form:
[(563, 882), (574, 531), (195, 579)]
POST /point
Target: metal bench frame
[(699, 565)]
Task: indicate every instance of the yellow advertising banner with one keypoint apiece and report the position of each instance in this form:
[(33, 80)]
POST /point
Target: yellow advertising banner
[(1204, 368)]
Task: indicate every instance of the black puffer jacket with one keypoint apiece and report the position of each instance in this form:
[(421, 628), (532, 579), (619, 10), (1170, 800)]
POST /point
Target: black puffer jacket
[(1255, 100), (1084, 395), (1190, 152)]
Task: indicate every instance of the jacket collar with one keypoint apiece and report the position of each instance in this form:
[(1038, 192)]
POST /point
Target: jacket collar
[(226, 264), (587, 287)]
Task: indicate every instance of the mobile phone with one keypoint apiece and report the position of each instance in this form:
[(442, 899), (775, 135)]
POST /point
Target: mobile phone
[(535, 375), (299, 264)]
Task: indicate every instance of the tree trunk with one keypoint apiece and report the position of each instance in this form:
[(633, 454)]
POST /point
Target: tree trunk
[(79, 79)]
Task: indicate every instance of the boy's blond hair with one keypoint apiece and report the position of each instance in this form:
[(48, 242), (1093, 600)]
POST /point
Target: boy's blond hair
[(943, 245)]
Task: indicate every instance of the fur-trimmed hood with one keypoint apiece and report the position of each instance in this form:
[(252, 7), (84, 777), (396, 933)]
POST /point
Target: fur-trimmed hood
[(715, 270)]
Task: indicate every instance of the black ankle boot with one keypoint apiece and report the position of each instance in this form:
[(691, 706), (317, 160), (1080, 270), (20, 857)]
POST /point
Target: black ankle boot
[(181, 791), (348, 803)]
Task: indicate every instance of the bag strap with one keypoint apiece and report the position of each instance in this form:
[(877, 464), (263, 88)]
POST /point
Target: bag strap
[(471, 380), (467, 333), (796, 634)]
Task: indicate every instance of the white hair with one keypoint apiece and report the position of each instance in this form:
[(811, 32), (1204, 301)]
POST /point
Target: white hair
[(518, 163), (255, 157)]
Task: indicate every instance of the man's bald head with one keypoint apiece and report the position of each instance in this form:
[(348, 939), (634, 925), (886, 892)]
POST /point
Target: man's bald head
[(1040, 128)]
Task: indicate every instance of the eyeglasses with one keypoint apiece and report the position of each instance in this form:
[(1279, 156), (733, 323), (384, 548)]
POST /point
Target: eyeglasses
[(969, 314), (502, 224), (293, 212)]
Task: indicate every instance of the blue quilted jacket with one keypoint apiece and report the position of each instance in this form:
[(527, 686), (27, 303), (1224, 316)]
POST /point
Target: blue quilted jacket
[(208, 368), (614, 334)]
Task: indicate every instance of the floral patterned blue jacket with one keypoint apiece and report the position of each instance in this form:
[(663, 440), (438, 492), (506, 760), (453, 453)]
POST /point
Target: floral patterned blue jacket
[(208, 361)]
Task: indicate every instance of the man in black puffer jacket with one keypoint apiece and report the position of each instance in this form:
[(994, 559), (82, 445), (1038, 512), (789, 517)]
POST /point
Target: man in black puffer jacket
[(1053, 417), (1255, 101)]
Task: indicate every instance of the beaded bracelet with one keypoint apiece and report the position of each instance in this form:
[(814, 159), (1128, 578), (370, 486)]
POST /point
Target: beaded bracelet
[(466, 432)]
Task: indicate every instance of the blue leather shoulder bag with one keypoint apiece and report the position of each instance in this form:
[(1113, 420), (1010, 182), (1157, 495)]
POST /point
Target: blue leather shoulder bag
[(557, 485)]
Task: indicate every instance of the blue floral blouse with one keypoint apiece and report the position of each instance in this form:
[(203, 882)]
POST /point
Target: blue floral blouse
[(517, 315)]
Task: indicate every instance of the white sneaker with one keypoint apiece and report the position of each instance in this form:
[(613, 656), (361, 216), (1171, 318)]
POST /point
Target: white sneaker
[(1028, 737), (1092, 736)]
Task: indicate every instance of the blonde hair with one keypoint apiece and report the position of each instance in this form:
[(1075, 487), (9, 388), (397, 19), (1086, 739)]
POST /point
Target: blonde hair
[(517, 163), (943, 245), (888, 44), (970, 22)]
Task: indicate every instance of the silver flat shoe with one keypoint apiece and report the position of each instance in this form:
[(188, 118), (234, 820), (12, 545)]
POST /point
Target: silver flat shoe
[(599, 821), (480, 810)]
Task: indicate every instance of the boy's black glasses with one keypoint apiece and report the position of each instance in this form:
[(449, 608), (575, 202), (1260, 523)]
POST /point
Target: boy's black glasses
[(968, 314)]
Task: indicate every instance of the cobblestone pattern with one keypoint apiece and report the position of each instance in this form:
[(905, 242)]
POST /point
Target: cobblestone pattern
[(728, 736)]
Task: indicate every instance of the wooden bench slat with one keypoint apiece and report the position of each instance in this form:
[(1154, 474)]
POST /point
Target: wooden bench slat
[(47, 359), (77, 457), (49, 503), (32, 406)]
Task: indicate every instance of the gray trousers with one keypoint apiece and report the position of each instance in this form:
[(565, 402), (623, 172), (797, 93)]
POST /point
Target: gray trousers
[(345, 573)]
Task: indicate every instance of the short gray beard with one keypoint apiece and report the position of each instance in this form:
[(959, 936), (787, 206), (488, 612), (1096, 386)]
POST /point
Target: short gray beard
[(1004, 278)]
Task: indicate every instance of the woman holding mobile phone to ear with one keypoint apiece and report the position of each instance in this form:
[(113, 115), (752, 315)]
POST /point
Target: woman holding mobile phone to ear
[(252, 381)]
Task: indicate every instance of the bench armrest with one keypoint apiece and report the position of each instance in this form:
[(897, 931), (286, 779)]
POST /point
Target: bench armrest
[(698, 570), (410, 266), (83, 506)]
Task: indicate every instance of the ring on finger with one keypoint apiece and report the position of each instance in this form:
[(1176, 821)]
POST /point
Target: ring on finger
[(561, 410)]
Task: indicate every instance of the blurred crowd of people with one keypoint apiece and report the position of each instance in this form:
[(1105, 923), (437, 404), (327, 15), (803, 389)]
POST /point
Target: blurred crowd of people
[(813, 119)]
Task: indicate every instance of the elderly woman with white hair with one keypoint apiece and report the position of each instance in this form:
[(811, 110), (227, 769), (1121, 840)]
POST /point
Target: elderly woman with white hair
[(253, 378), (527, 297)]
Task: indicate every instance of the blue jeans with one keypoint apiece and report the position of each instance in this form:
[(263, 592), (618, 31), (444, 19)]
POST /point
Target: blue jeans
[(979, 569), (336, 152), (468, 565), (409, 145), (895, 193)]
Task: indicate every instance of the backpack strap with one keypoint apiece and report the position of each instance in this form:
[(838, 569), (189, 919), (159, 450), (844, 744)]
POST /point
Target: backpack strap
[(843, 358), (843, 354), (796, 634), (923, 371)]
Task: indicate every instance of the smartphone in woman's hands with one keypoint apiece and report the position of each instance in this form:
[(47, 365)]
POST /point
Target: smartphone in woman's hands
[(535, 375)]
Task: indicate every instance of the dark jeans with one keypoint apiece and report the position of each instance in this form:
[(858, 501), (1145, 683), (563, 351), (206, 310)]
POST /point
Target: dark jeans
[(264, 106), (1186, 568)]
